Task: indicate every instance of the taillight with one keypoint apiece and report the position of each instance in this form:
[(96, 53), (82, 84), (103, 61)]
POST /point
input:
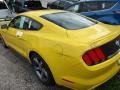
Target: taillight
[(94, 56)]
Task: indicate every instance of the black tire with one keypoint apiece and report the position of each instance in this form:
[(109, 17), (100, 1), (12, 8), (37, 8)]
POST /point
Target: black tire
[(42, 70), (3, 42)]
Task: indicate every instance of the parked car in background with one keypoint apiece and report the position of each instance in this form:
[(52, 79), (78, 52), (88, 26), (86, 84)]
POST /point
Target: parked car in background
[(65, 48), (25, 5), (107, 11), (5, 12), (60, 4)]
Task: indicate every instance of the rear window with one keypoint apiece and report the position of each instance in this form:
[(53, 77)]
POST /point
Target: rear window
[(3, 5), (69, 20)]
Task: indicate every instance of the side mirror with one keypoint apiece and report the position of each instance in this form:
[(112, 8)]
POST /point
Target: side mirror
[(5, 26)]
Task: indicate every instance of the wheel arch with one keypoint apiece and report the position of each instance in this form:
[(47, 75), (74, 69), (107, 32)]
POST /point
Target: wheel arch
[(43, 59), (31, 52)]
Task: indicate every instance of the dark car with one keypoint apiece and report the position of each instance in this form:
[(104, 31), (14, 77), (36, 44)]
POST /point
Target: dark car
[(61, 4), (25, 5), (107, 11)]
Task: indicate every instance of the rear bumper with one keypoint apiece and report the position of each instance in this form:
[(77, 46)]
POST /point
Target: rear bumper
[(90, 83), (88, 78)]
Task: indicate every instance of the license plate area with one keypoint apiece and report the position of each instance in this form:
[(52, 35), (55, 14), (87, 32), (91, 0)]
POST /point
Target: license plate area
[(111, 48)]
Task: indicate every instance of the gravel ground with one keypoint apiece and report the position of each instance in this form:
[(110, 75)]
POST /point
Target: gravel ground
[(17, 74)]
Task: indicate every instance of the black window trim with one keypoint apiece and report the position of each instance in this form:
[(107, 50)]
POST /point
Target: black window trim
[(29, 18), (12, 21)]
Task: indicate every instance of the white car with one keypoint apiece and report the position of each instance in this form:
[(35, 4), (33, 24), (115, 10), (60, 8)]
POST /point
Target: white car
[(5, 12)]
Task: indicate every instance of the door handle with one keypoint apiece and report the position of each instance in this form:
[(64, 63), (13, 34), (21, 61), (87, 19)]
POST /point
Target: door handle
[(19, 34), (20, 37)]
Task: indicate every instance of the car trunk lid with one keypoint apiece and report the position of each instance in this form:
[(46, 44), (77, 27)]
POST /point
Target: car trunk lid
[(95, 33)]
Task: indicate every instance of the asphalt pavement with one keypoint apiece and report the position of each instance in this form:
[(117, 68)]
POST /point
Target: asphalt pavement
[(17, 74)]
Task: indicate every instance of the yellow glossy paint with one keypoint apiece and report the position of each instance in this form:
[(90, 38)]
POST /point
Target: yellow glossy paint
[(62, 50)]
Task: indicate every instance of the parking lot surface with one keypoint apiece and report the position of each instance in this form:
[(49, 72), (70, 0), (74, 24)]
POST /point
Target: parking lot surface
[(17, 74)]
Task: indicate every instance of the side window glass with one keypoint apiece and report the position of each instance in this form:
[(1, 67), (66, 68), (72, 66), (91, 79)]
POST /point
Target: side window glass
[(29, 24), (24, 23), (15, 23), (33, 25)]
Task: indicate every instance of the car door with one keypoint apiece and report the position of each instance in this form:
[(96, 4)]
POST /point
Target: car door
[(14, 35), (20, 36), (27, 27), (10, 33)]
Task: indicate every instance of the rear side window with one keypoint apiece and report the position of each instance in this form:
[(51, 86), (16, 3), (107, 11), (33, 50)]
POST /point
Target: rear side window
[(3, 5), (34, 25), (66, 20)]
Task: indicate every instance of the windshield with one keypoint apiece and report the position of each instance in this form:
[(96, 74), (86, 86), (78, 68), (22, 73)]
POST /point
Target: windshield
[(69, 20), (2, 5)]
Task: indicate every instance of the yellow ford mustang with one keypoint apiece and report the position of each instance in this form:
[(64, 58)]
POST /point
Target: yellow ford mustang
[(65, 48)]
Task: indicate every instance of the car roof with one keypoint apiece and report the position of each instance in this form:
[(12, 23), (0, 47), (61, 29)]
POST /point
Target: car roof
[(39, 13)]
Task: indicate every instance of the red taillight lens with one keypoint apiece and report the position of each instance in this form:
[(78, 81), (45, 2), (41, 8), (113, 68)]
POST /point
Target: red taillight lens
[(100, 54), (94, 56), (87, 59)]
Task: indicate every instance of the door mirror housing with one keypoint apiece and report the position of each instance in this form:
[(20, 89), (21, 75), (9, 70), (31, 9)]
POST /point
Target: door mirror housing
[(5, 26)]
